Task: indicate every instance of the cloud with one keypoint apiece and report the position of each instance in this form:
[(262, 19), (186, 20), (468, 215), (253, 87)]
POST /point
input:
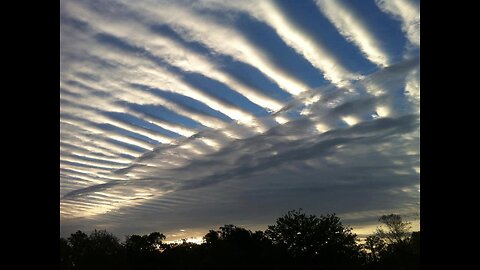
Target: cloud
[(317, 53), (408, 12), (175, 113), (351, 25), (192, 24), (372, 156)]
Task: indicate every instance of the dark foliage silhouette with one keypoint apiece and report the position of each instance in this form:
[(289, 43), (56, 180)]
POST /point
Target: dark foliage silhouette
[(233, 247), (295, 241), (99, 250), (321, 242), (143, 252), (397, 231), (393, 247)]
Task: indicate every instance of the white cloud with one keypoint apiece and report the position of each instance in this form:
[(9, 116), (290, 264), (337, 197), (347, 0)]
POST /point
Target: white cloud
[(351, 25), (314, 51), (325, 145), (172, 52), (409, 14), (193, 26), (331, 154), (412, 87)]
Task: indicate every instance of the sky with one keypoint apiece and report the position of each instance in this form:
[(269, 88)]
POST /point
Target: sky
[(182, 116)]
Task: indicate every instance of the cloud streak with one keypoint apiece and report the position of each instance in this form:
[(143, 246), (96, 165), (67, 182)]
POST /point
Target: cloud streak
[(174, 112), (408, 12), (352, 26)]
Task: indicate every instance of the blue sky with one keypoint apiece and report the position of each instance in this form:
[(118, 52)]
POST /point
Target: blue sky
[(188, 115)]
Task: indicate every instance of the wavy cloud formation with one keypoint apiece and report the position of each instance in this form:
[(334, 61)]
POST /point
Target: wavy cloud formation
[(351, 25), (408, 12), (183, 115)]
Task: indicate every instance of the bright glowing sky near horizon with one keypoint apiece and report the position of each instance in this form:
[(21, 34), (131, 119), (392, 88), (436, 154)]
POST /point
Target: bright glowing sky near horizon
[(182, 116)]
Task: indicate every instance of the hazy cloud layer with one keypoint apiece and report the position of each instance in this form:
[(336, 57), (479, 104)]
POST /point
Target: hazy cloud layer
[(182, 115)]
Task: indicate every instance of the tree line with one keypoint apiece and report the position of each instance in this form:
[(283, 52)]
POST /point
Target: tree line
[(295, 241)]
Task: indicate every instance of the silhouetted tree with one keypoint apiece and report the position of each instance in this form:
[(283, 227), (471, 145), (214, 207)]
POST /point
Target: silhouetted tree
[(147, 243), (79, 244), (66, 261), (100, 250), (397, 231), (105, 251), (212, 237), (184, 256), (295, 241), (320, 242), (415, 242), (143, 252), (392, 247), (375, 247), (233, 247)]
